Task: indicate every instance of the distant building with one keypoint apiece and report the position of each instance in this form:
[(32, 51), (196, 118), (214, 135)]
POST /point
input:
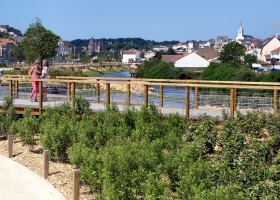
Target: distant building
[(275, 54), (171, 58), (6, 45), (95, 46), (265, 48), (180, 47), (188, 60), (130, 56), (149, 54), (243, 39), (160, 48), (220, 42), (62, 50), (192, 60), (209, 54)]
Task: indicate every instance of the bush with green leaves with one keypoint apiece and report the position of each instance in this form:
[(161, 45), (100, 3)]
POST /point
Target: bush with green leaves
[(57, 131), (26, 128), (7, 117), (81, 105), (143, 154)]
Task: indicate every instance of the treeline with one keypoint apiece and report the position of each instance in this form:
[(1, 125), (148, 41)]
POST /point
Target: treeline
[(226, 72), (146, 155), (157, 69), (123, 43)]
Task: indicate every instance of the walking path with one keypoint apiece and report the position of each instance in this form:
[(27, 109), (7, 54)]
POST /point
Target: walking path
[(18, 182)]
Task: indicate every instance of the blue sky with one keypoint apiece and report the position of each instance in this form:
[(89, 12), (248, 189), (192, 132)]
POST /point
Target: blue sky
[(156, 20)]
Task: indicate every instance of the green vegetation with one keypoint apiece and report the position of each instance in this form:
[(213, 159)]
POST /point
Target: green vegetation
[(157, 69), (146, 155), (7, 117), (39, 42)]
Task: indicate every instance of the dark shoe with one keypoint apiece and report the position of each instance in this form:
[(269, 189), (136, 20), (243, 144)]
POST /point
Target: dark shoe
[(35, 100)]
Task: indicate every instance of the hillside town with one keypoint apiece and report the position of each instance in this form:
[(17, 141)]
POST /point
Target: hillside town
[(190, 54)]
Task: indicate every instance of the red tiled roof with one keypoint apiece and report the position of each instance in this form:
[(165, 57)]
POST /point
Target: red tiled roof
[(276, 50), (267, 56), (208, 53), (5, 41), (132, 51), (172, 58)]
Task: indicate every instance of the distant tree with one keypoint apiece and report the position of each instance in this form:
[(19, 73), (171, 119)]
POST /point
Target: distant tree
[(170, 51), (17, 52), (232, 53), (273, 62), (39, 42), (249, 59)]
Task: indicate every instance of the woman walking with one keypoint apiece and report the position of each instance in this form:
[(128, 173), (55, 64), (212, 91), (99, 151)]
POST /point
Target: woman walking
[(45, 75), (35, 73)]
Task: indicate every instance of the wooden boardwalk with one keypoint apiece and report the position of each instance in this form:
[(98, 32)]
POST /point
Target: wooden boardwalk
[(189, 108), (22, 103)]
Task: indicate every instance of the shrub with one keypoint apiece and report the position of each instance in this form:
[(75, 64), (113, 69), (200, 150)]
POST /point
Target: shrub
[(7, 117), (26, 128), (58, 131)]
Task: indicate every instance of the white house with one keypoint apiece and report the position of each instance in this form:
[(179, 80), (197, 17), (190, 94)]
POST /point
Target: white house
[(130, 56), (271, 44), (192, 60), (276, 54), (180, 47), (149, 54), (160, 48)]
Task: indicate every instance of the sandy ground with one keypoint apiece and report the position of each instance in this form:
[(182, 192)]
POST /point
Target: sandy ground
[(61, 174)]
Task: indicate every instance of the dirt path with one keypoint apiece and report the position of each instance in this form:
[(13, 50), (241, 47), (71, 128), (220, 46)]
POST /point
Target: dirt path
[(61, 174)]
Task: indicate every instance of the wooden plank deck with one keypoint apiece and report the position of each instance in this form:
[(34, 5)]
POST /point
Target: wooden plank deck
[(21, 103)]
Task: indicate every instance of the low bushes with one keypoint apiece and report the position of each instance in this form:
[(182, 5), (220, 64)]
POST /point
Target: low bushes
[(145, 155)]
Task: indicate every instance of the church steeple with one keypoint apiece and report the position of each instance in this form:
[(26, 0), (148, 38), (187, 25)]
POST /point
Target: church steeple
[(240, 30), (240, 33)]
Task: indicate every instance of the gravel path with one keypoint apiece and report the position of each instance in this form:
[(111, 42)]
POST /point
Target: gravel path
[(61, 174)]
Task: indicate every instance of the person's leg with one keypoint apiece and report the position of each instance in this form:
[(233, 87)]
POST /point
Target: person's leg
[(44, 93), (36, 91), (33, 90)]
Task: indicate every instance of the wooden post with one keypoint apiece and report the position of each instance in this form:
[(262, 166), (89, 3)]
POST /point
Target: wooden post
[(46, 163), (40, 97), (146, 96), (73, 92), (235, 100), (161, 96), (69, 91), (10, 145), (196, 98), (128, 93), (76, 184), (11, 89), (232, 102), (275, 101), (16, 85), (108, 94), (187, 102), (97, 92)]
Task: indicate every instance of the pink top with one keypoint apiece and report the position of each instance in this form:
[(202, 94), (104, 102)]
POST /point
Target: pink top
[(36, 72)]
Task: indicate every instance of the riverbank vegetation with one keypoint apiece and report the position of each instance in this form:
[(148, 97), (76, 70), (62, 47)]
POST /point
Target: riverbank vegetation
[(157, 69), (142, 154), (57, 71)]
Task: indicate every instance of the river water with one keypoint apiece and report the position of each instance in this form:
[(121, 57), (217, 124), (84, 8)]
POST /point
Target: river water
[(173, 96)]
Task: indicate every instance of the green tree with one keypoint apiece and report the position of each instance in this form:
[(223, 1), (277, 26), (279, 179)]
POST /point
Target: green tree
[(273, 62), (39, 42), (249, 59), (17, 52), (232, 53)]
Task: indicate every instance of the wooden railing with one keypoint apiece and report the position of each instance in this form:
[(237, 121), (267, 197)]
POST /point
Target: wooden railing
[(233, 86)]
